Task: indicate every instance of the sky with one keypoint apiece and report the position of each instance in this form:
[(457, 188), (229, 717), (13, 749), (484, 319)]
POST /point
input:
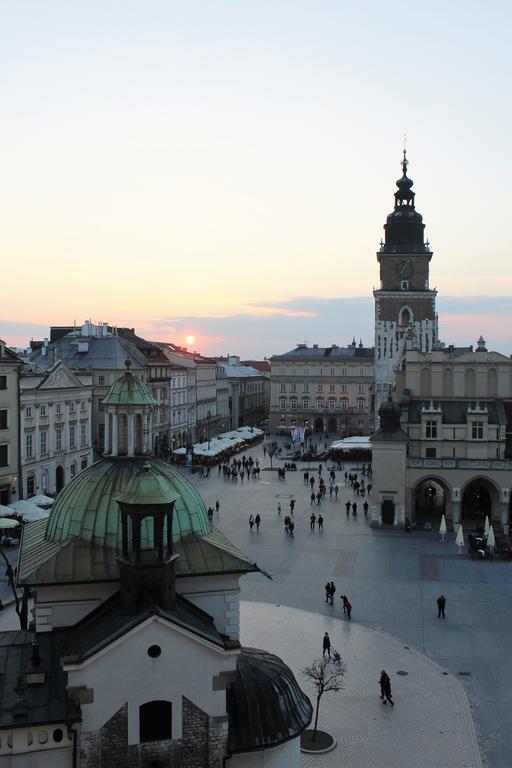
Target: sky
[(223, 170)]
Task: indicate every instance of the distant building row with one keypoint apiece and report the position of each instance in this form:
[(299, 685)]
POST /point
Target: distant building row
[(52, 422)]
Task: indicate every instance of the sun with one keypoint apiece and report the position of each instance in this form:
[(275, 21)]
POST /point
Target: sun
[(190, 339)]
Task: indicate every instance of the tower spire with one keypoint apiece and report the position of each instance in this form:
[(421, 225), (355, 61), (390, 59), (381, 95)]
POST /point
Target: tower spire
[(405, 161)]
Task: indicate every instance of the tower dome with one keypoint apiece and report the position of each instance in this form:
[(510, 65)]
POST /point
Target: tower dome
[(404, 226)]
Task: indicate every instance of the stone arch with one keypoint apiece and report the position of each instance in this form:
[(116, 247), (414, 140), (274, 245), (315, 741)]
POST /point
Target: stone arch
[(430, 496), (479, 498), (448, 382), (470, 382), (405, 316)]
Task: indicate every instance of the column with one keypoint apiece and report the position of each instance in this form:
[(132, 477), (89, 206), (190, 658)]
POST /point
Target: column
[(107, 433), (131, 424), (115, 434), (456, 511), (505, 509)]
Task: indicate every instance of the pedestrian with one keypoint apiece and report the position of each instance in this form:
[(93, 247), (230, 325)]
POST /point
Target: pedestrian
[(349, 609), (385, 688), (291, 527), (313, 497), (257, 520), (312, 482), (354, 508), (441, 603), (347, 508), (251, 521), (326, 645), (320, 523), (365, 507), (336, 491), (312, 521), (210, 514), (292, 505), (332, 592), (327, 591), (278, 507), (345, 602), (318, 498), (286, 524), (217, 506)]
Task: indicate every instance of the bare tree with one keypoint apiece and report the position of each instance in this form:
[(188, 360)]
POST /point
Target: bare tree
[(326, 676), (21, 606)]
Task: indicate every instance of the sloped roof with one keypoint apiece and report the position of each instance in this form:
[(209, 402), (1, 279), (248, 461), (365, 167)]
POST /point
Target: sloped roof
[(103, 353), (456, 411), (320, 354)]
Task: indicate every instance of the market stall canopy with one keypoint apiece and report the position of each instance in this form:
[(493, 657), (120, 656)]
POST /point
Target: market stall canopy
[(23, 507), (31, 516), (41, 500), (8, 522)]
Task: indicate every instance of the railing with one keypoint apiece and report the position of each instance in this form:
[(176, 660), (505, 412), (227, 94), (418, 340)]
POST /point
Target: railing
[(460, 464)]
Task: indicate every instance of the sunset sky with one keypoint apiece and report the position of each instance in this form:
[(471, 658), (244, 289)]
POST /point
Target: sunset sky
[(223, 170)]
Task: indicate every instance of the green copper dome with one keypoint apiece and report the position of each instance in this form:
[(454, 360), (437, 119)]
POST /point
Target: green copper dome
[(128, 390), (87, 507)]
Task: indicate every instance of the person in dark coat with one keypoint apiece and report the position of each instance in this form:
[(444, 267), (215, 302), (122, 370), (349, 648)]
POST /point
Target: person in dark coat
[(349, 609), (251, 521), (320, 522), (385, 688), (354, 508), (345, 602), (312, 521), (441, 603), (257, 520), (327, 591), (347, 508), (332, 592), (291, 528), (326, 645)]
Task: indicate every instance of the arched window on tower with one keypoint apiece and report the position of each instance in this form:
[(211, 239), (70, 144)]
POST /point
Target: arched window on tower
[(405, 317)]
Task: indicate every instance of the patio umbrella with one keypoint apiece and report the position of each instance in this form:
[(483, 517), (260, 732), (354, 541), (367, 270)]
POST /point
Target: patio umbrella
[(442, 527), (8, 522), (41, 500), (22, 507), (486, 525), (459, 539), (491, 541)]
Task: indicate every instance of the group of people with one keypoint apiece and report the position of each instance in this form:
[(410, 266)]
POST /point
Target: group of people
[(239, 469), (330, 591), (255, 520), (358, 485)]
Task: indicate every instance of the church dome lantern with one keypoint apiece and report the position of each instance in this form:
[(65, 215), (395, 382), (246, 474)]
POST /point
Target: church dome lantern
[(128, 409), (404, 226)]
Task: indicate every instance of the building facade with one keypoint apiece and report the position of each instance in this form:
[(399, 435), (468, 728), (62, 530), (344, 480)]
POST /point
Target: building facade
[(10, 482), (327, 389), (404, 303), (247, 387), (56, 427)]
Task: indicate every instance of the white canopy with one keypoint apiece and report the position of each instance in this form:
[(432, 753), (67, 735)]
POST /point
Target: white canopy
[(41, 500), (8, 522), (23, 508), (349, 443), (38, 514)]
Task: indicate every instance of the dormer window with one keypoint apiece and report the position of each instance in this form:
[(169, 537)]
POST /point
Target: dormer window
[(404, 285)]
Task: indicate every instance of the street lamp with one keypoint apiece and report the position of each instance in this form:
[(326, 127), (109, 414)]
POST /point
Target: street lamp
[(208, 417)]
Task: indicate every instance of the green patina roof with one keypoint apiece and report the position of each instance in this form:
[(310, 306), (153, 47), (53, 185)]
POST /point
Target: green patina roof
[(147, 487), (128, 390), (87, 507)]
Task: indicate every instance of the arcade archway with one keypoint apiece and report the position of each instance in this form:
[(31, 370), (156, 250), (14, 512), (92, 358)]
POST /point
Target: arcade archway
[(430, 497), (479, 497), (319, 425)]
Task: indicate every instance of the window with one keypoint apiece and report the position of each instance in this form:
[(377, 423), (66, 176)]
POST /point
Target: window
[(83, 464), (294, 387), (332, 388), (58, 408), (360, 388), (430, 453), (361, 371), (320, 371), (72, 436), (344, 405), (101, 380), (294, 371), (343, 388), (477, 430), (3, 382), (83, 435), (71, 407), (282, 404), (333, 372), (43, 441), (319, 405), (293, 403), (305, 404), (101, 407), (305, 388), (58, 439), (319, 387), (4, 456), (360, 405), (42, 410), (28, 412), (3, 418), (343, 371), (404, 286), (431, 430), (155, 721), (282, 388), (28, 446), (332, 405), (83, 405), (306, 371), (72, 469)]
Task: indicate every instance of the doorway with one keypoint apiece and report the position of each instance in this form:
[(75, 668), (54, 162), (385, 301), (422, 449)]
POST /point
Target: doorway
[(388, 512)]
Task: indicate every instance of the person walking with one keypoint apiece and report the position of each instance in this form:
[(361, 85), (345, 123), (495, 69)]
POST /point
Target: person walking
[(210, 514), (365, 509), (385, 688), (318, 499), (320, 523), (327, 591), (332, 592), (313, 497), (291, 528), (336, 491), (217, 506), (257, 520), (251, 521), (354, 508), (286, 524), (278, 507), (441, 603), (312, 521), (345, 602), (349, 610), (326, 645), (292, 505), (347, 508)]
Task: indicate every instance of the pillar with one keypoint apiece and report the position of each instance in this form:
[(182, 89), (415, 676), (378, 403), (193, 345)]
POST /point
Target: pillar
[(115, 434), (106, 438), (131, 435)]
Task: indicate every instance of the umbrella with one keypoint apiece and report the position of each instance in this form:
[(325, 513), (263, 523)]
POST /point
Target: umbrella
[(491, 541), (8, 522), (41, 500), (4, 511), (23, 507), (459, 539), (486, 525), (442, 527), (37, 514)]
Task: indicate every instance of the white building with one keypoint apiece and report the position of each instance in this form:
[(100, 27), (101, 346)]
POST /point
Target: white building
[(10, 365), (56, 427)]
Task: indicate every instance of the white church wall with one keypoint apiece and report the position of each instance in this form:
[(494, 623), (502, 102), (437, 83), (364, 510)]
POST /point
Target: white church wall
[(64, 605), (140, 678), (219, 596), (36, 747), (285, 755)]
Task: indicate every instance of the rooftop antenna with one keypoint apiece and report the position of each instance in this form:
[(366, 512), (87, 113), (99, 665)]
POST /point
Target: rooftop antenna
[(405, 162)]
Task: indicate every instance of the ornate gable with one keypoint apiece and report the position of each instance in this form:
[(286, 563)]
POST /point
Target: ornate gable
[(60, 377)]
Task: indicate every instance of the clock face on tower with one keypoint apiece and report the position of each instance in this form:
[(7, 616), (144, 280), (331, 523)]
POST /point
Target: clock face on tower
[(405, 268)]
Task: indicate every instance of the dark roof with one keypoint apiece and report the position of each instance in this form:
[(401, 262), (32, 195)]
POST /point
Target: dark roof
[(107, 623), (456, 411), (265, 704), (319, 354), (77, 561), (45, 696), (260, 365), (103, 353)]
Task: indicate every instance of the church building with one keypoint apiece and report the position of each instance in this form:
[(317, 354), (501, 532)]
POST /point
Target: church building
[(133, 659)]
